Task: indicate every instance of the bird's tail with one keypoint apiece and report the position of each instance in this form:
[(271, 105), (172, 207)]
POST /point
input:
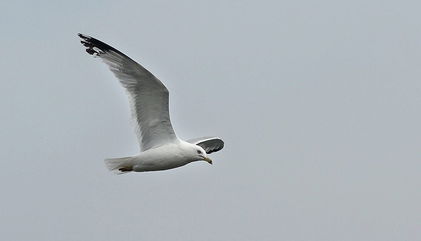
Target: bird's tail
[(120, 165)]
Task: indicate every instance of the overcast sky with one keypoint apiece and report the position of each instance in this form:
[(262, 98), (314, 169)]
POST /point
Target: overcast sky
[(318, 103)]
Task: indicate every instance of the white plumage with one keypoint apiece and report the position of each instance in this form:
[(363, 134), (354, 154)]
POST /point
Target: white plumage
[(148, 98)]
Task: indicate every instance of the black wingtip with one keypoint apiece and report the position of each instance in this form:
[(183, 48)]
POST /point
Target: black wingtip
[(87, 42), (83, 36), (94, 46)]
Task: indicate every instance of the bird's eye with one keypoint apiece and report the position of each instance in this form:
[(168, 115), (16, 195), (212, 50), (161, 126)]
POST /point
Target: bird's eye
[(199, 152)]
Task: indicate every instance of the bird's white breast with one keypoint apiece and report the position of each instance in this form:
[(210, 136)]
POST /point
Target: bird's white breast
[(162, 158)]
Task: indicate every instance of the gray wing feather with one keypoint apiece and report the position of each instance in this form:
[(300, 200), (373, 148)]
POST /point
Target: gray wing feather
[(209, 144), (148, 96)]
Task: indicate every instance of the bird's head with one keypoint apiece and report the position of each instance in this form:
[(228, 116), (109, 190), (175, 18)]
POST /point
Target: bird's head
[(200, 153)]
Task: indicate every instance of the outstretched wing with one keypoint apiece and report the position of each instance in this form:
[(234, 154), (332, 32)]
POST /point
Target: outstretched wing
[(148, 96), (209, 144)]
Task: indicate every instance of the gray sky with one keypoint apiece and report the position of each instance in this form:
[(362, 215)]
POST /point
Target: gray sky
[(318, 103)]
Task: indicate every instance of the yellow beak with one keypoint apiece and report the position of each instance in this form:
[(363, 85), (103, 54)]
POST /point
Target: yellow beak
[(208, 160)]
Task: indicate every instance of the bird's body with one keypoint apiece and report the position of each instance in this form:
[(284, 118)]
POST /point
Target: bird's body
[(161, 158), (148, 97)]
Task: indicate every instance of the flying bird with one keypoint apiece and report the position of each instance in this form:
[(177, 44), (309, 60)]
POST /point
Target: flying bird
[(161, 149)]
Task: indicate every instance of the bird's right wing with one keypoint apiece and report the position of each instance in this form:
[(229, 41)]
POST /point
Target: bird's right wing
[(209, 144), (147, 94)]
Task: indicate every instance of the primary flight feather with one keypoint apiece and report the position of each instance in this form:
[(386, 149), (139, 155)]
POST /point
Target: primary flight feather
[(148, 98)]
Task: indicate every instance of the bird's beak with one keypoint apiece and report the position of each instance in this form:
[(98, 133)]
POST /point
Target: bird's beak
[(208, 160)]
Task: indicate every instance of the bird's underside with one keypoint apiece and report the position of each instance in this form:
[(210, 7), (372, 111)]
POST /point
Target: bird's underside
[(149, 102)]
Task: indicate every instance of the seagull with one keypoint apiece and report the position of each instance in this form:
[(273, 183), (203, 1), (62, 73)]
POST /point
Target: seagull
[(161, 149)]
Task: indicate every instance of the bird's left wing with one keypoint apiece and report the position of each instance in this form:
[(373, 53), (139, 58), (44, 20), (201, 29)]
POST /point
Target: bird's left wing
[(209, 144), (147, 94)]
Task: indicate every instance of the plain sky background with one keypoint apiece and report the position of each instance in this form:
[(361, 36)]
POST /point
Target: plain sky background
[(318, 103)]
